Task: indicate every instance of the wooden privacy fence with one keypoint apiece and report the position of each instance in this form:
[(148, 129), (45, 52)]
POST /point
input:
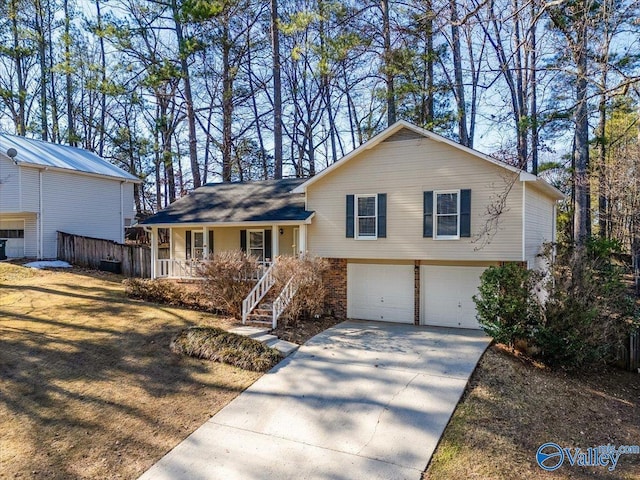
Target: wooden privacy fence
[(135, 260)]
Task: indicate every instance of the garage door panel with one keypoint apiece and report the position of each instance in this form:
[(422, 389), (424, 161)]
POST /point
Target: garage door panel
[(380, 292), (447, 295)]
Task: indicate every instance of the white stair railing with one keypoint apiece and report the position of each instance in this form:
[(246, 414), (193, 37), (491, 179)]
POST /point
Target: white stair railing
[(258, 292), (281, 303)]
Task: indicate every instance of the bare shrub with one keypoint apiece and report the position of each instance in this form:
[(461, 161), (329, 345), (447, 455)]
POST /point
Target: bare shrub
[(162, 291), (306, 272), (226, 281)]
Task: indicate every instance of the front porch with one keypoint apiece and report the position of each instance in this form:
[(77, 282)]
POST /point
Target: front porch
[(178, 252)]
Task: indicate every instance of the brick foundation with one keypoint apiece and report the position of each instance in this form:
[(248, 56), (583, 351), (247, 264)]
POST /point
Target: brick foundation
[(335, 281)]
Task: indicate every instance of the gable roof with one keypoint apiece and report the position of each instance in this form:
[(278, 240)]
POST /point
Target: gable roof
[(394, 132), (44, 154), (262, 202)]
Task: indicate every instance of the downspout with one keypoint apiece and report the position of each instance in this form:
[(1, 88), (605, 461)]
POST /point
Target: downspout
[(121, 212), (40, 238), (524, 222)]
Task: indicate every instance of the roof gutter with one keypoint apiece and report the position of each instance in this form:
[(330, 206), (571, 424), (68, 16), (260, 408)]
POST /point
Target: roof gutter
[(252, 223), (79, 172)]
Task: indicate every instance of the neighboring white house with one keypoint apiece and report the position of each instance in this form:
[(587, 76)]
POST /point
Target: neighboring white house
[(405, 221), (47, 188)]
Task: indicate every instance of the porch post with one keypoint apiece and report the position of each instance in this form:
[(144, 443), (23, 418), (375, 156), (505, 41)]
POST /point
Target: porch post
[(154, 250), (303, 239), (171, 254), (275, 242), (205, 242)]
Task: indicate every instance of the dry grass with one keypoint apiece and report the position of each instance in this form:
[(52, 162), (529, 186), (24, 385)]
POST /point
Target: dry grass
[(221, 346), (89, 388), (511, 407)]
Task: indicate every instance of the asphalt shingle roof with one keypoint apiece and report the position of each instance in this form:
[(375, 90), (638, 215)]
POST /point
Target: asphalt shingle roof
[(263, 201), (37, 152)]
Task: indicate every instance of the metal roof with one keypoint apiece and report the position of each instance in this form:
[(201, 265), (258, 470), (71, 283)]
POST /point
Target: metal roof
[(236, 202), (45, 154)]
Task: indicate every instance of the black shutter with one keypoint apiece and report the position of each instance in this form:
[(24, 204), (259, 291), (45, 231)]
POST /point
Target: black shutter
[(267, 244), (210, 243), (350, 216), (427, 227), (465, 213), (187, 242), (243, 240), (382, 215)]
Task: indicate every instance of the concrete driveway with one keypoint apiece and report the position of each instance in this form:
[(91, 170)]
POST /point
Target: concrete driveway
[(362, 400)]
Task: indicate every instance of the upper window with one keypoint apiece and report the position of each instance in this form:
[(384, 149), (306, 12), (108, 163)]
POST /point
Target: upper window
[(447, 215), (366, 217)]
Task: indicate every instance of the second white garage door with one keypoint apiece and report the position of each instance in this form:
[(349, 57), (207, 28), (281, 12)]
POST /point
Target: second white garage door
[(446, 295), (380, 292)]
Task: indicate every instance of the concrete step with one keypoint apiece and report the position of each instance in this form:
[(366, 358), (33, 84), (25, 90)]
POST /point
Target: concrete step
[(249, 331), (267, 338), (285, 348), (255, 317), (263, 335)]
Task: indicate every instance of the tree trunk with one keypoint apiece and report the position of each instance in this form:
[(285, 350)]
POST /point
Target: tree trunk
[(186, 77), (72, 137), (388, 63), (277, 92), (20, 121), (458, 87), (581, 214), (42, 57), (227, 106), (103, 82)]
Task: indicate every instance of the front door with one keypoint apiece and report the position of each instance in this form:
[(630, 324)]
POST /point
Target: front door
[(296, 242), (197, 252)]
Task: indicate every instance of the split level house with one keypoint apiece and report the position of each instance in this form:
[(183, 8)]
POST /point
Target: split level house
[(408, 222), (46, 188)]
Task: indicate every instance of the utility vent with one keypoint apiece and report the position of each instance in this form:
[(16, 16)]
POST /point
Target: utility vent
[(403, 134), (127, 222)]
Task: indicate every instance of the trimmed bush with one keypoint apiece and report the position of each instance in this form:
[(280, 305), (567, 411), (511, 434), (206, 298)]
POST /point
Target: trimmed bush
[(507, 308), (225, 347), (226, 284), (586, 314), (309, 300)]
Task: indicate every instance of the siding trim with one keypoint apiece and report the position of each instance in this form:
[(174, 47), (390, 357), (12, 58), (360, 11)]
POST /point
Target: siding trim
[(524, 221)]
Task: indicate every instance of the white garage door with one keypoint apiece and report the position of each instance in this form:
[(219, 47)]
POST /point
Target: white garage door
[(446, 295), (380, 292), (13, 232)]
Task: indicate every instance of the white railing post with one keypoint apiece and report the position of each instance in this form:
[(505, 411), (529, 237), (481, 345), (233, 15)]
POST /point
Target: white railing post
[(258, 292)]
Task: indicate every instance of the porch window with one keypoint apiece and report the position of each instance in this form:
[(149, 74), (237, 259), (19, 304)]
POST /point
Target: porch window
[(256, 243)]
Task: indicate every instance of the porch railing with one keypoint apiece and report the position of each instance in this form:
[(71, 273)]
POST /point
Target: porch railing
[(258, 292), (190, 269), (281, 303)]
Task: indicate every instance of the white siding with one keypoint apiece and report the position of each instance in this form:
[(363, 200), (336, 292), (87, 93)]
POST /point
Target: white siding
[(30, 189), (79, 204), (129, 210), (9, 185), (404, 170), (31, 237), (539, 224)]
